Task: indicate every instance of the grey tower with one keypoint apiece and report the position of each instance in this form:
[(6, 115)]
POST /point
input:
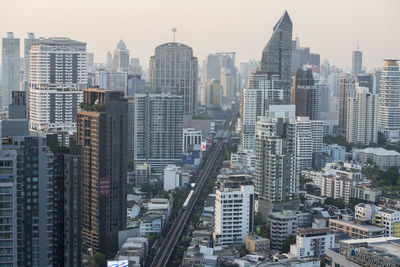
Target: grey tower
[(173, 68), (356, 62), (277, 54), (10, 68)]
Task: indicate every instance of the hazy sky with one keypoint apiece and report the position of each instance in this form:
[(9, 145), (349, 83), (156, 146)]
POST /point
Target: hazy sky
[(330, 28)]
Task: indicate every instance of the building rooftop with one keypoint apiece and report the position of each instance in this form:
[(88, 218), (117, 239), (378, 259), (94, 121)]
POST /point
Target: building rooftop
[(367, 227), (385, 246), (313, 231), (380, 151)]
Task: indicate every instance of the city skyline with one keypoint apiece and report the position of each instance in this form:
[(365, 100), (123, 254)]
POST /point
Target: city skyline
[(251, 26)]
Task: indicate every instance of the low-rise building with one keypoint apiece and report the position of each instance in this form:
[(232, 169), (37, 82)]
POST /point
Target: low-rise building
[(379, 156), (356, 228), (371, 252), (160, 204), (312, 243), (368, 195), (172, 177), (152, 222), (336, 152), (282, 225), (135, 250), (255, 243)]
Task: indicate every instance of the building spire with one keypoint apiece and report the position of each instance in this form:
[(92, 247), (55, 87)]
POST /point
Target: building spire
[(173, 32)]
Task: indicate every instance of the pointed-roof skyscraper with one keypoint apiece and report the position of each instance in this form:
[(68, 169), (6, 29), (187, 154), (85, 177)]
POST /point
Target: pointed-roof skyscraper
[(277, 54)]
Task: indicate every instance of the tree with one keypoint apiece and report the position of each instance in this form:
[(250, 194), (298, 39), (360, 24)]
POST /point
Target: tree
[(98, 260), (289, 241), (265, 230), (338, 202), (258, 219)]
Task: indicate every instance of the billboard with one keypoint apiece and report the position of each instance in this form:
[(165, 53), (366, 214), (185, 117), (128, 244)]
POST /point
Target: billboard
[(123, 263), (104, 186), (187, 159), (203, 146)]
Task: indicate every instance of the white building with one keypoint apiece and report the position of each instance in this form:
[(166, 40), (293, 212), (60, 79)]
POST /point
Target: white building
[(312, 243), (336, 187), (310, 134), (58, 74), (379, 156), (263, 89), (365, 211), (191, 139), (389, 105), (160, 204), (234, 215), (10, 69), (134, 250), (362, 111), (172, 177), (337, 153)]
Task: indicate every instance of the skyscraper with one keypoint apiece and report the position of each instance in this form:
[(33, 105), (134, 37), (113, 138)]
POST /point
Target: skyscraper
[(27, 48), (389, 106), (173, 68), (58, 74), (309, 140), (10, 68), (277, 54), (102, 131), (158, 130), (362, 111), (346, 89), (264, 89), (276, 174), (121, 57), (356, 66), (305, 94)]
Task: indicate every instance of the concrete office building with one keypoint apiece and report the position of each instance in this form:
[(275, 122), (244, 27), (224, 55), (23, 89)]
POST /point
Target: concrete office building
[(58, 74), (277, 55), (356, 62), (312, 243), (102, 131), (173, 68), (158, 132), (282, 225), (10, 69), (276, 174), (346, 90), (234, 215), (389, 105), (362, 113)]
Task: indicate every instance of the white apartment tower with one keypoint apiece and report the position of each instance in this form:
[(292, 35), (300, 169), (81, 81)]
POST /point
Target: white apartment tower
[(362, 113), (10, 68), (310, 134), (276, 174), (263, 90), (389, 106), (58, 74), (234, 215)]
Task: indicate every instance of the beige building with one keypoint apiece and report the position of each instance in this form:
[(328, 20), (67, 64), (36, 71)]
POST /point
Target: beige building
[(255, 243), (356, 228)]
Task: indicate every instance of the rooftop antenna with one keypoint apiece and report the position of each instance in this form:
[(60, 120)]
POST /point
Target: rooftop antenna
[(358, 45), (174, 31)]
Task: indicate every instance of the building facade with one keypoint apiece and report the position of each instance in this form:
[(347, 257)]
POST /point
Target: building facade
[(10, 68), (57, 76), (173, 68), (102, 131)]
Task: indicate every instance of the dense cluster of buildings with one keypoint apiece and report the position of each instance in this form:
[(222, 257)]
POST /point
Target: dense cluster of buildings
[(92, 154)]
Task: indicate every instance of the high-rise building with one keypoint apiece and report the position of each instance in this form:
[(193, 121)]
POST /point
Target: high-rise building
[(346, 90), (121, 57), (102, 131), (172, 177), (67, 175), (367, 80), (158, 130), (264, 89), (173, 68), (305, 95), (276, 174), (8, 208), (234, 214), (356, 66), (301, 56), (310, 135), (27, 48), (10, 68), (58, 74), (362, 113), (389, 106), (277, 54)]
